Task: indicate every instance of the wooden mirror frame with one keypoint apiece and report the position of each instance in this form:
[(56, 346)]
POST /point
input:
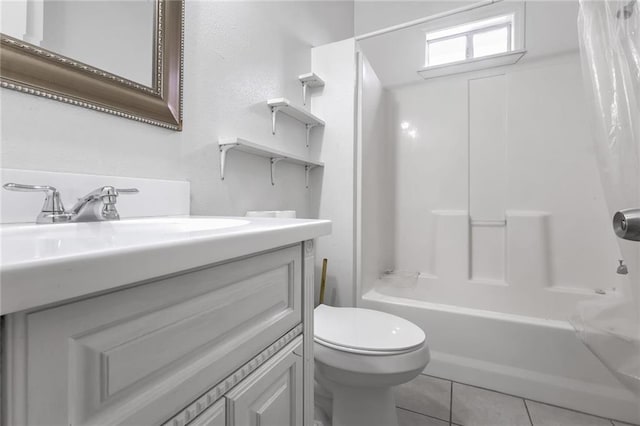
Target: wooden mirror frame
[(36, 71)]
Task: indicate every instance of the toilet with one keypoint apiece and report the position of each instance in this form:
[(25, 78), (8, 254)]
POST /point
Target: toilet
[(360, 354)]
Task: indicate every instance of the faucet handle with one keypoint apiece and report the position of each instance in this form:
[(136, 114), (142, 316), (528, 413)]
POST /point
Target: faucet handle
[(29, 188), (109, 194), (52, 209), (127, 191), (109, 198)]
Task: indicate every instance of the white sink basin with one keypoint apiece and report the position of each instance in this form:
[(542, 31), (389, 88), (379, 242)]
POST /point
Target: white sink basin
[(42, 264)]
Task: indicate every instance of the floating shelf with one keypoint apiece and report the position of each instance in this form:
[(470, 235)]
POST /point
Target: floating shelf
[(302, 115), (275, 156), (309, 80)]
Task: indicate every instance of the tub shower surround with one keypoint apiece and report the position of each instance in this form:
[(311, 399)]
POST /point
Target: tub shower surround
[(508, 231)]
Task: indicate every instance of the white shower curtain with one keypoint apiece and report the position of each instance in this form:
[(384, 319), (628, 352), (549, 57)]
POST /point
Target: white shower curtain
[(610, 50)]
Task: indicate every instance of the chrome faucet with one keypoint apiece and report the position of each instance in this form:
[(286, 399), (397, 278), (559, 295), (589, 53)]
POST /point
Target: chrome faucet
[(98, 205)]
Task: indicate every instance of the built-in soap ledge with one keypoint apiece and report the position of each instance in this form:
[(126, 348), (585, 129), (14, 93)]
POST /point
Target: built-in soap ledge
[(275, 156)]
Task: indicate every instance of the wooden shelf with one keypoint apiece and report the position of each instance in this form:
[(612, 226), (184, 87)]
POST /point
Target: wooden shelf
[(226, 144), (299, 113)]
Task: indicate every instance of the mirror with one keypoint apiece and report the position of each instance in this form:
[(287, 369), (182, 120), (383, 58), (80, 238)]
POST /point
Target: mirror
[(117, 56)]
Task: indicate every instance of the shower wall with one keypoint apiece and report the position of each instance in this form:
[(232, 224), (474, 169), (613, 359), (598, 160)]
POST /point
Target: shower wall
[(488, 187), (509, 153), (376, 161)]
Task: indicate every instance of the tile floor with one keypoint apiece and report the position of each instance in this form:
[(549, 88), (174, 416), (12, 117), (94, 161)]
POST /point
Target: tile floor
[(430, 401)]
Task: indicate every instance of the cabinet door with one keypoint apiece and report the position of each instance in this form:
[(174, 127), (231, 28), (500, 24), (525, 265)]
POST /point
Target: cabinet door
[(272, 395)]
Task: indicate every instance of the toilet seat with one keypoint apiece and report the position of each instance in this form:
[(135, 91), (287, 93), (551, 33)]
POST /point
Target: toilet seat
[(365, 331)]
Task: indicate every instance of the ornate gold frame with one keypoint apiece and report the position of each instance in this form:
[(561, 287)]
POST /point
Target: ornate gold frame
[(36, 71)]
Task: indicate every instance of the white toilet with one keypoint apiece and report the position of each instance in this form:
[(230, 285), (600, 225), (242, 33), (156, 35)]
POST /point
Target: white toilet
[(360, 354)]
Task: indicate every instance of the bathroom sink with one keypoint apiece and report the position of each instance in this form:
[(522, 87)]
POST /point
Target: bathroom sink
[(30, 242), (47, 263)]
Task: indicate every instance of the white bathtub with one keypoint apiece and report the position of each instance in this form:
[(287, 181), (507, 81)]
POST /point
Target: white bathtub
[(539, 359)]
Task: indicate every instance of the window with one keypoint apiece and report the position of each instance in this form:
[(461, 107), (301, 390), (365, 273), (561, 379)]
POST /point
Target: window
[(470, 41)]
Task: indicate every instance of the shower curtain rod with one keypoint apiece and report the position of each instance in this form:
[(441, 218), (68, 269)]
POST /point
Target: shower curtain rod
[(425, 19)]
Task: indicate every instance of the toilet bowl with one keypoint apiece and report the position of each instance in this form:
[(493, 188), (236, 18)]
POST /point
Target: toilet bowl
[(360, 354)]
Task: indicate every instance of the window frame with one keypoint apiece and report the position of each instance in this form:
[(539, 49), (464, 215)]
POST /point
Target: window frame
[(469, 53)]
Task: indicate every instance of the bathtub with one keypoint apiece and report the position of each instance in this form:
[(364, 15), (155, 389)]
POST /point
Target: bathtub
[(541, 359)]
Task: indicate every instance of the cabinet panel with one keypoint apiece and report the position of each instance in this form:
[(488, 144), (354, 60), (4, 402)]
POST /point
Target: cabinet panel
[(138, 355), (272, 395)]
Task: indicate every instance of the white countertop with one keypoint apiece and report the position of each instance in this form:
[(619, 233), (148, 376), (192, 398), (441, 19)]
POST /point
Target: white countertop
[(43, 264)]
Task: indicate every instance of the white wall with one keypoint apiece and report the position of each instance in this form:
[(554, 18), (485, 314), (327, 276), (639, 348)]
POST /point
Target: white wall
[(237, 55), (334, 189)]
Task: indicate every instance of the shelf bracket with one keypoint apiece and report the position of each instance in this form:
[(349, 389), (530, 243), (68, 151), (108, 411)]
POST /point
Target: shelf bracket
[(309, 127), (223, 157), (274, 112), (304, 93), (307, 169), (274, 161)]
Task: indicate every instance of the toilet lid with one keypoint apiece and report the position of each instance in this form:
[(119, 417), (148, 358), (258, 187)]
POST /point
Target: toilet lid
[(365, 330)]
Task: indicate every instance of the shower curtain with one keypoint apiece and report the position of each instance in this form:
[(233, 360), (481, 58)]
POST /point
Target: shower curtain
[(610, 50)]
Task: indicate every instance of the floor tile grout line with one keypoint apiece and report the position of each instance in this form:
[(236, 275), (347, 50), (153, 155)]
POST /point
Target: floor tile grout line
[(496, 391), (422, 414), (526, 407), (521, 397)]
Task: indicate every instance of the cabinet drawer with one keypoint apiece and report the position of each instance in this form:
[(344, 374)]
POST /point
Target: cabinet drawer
[(138, 355)]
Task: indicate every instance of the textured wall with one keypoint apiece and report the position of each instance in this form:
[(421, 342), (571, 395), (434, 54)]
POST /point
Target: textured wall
[(237, 55)]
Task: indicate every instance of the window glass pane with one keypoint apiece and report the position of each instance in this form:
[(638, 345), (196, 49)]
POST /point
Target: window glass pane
[(445, 51), (490, 42)]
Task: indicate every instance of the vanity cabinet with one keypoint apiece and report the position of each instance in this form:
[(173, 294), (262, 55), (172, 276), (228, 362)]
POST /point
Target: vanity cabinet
[(226, 344)]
